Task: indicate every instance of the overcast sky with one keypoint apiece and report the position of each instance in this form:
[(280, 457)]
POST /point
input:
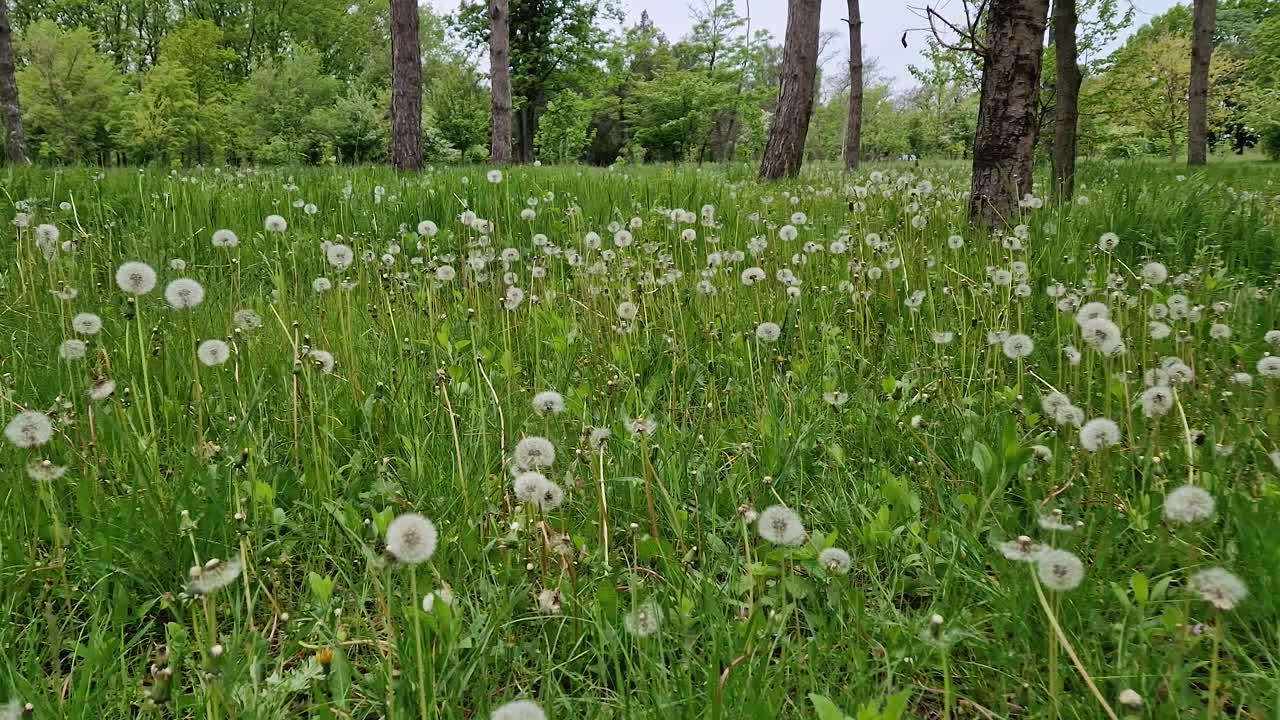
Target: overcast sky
[(883, 23)]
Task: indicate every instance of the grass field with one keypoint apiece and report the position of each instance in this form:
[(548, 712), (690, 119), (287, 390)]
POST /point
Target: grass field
[(714, 347)]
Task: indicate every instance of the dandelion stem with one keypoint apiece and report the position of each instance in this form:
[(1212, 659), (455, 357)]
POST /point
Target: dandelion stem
[(1066, 645)]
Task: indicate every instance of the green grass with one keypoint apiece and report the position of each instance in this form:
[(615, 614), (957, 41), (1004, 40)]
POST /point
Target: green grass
[(919, 475)]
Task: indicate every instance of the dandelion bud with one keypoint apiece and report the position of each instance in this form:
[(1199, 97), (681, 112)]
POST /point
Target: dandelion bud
[(324, 656)]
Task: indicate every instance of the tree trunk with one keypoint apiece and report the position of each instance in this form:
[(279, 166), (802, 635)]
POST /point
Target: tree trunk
[(784, 151), (1066, 101), (1197, 105), (1004, 144), (406, 87), (500, 79), (15, 140), (853, 132)]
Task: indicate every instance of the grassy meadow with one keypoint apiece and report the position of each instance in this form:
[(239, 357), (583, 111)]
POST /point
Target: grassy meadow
[(690, 446)]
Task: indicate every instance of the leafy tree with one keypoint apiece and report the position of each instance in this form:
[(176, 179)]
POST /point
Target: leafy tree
[(163, 121), (73, 96), (554, 43), (1149, 88), (280, 108)]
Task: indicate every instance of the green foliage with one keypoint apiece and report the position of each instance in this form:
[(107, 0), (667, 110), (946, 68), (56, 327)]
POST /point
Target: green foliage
[(565, 131), (72, 95), (165, 121), (282, 106)]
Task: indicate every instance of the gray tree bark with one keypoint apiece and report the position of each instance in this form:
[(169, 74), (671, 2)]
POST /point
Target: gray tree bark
[(1004, 145), (1066, 101), (406, 87), (853, 132), (1205, 18), (784, 150), (500, 80), (15, 140)]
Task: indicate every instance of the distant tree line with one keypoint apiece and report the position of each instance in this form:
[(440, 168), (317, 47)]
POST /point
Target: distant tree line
[(250, 81)]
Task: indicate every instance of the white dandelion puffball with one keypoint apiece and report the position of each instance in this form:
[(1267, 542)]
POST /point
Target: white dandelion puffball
[(322, 359), (225, 239), (247, 319), (340, 256), (1219, 587), (1099, 433), (835, 561), (1154, 273), (86, 324), (184, 294), (214, 575), (102, 389), (1156, 401), (48, 233), (1188, 504), (494, 176), (622, 238), (534, 452), (321, 285), (1091, 311), (411, 538), (445, 273), (644, 621), (528, 485), (1269, 367), (955, 242), (781, 525), (29, 429), (627, 311), (72, 349), (768, 331), (426, 228), (1059, 570), (1108, 242), (1017, 346), (548, 402), (213, 352), (275, 224), (519, 709), (136, 278)]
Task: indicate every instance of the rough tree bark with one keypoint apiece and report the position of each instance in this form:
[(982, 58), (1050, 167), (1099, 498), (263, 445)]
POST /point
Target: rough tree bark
[(1066, 100), (500, 79), (406, 87), (15, 139), (784, 151), (1206, 12), (1004, 145), (853, 132)]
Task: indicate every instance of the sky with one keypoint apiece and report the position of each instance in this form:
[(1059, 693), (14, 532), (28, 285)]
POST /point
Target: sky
[(883, 22)]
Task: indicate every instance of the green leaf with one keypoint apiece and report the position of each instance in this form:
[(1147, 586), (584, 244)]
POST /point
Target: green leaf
[(1141, 588), (826, 709), (983, 458)]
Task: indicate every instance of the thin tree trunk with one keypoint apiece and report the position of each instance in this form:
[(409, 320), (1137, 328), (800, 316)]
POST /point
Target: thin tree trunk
[(1197, 105), (500, 79), (1004, 144), (853, 132), (1066, 103), (15, 140), (784, 151), (406, 87)]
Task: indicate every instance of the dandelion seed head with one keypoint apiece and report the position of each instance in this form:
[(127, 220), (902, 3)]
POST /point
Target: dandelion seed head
[(1219, 587), (1059, 570), (1188, 504), (781, 525), (412, 538)]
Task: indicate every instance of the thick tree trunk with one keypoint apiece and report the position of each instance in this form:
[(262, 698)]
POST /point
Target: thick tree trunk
[(1206, 12), (500, 79), (1004, 145), (15, 140), (1066, 101), (406, 87), (784, 151), (853, 132)]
